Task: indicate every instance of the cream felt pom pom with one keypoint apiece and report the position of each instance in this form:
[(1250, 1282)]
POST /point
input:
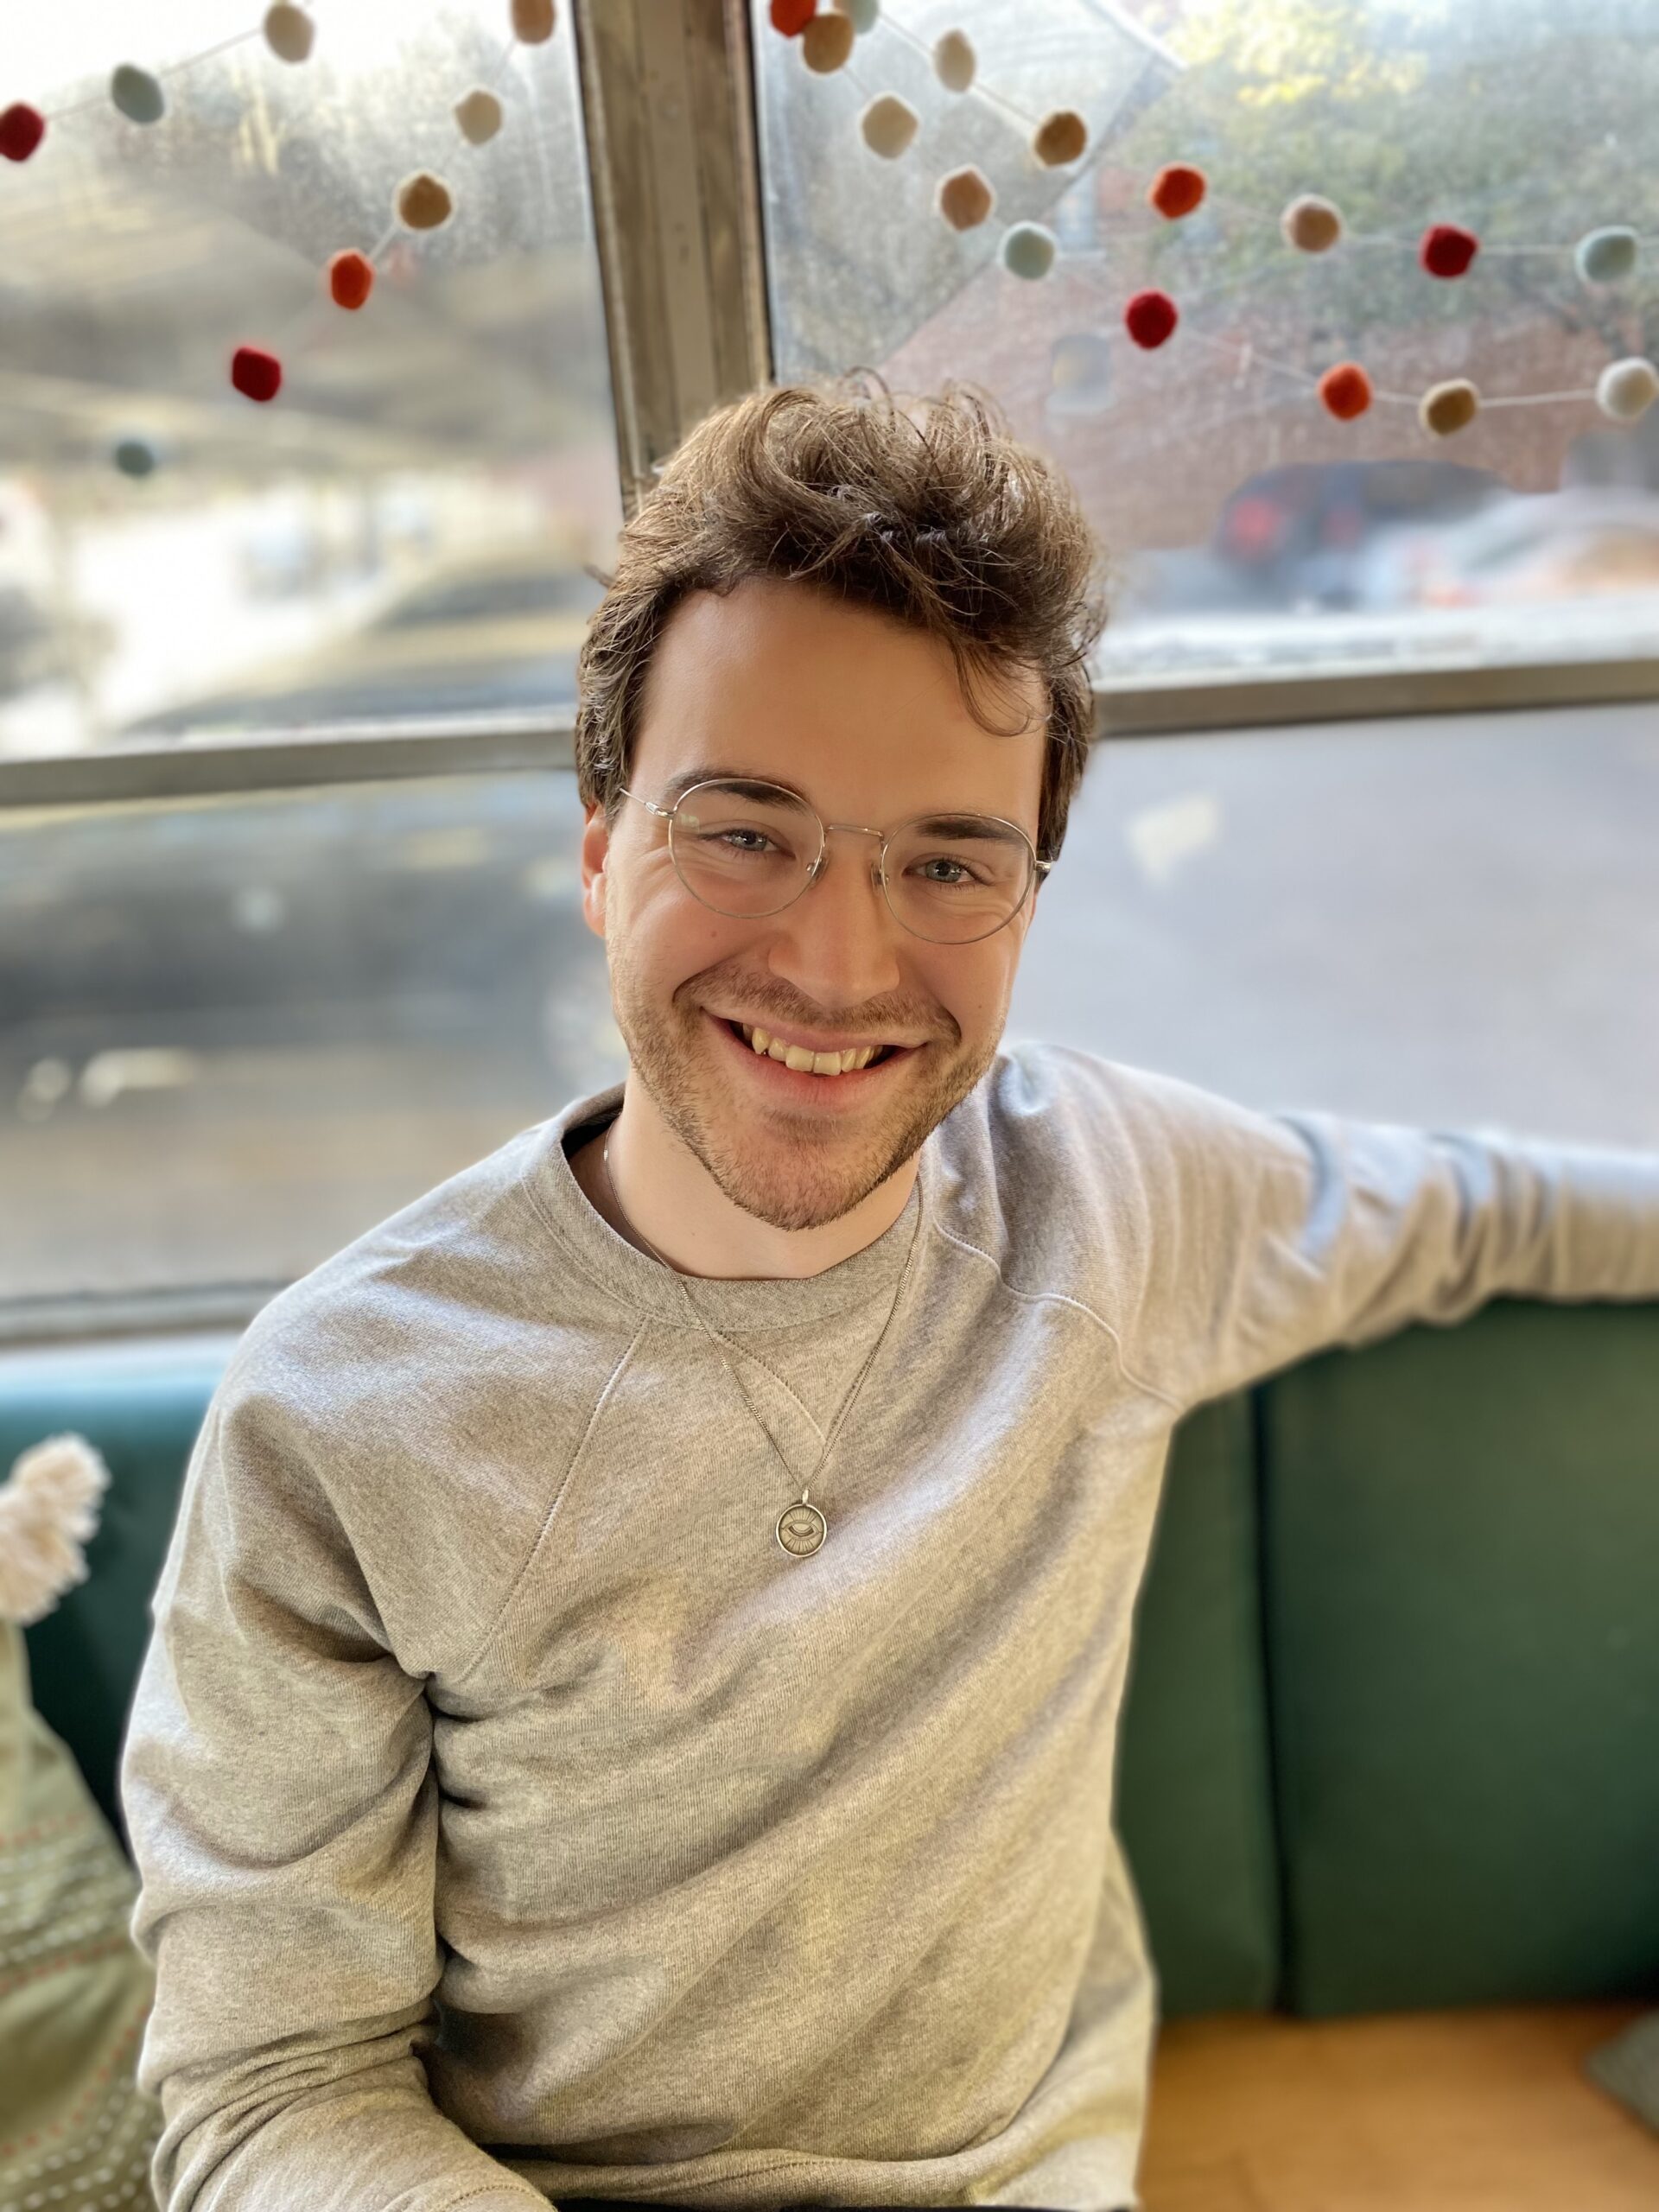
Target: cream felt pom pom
[(889, 124), (1060, 138), (1625, 390), (964, 197), (1311, 223), (479, 116), (954, 62), (1446, 409), (49, 1507), (827, 43), (289, 32)]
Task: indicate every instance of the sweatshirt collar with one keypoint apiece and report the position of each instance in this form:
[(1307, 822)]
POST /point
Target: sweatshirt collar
[(639, 1281)]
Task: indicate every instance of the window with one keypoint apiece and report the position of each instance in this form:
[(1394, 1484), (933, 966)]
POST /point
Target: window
[(239, 1033), (1254, 531), (403, 530), (241, 1023)]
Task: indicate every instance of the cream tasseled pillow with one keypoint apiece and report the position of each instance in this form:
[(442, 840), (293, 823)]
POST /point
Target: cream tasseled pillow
[(74, 1989)]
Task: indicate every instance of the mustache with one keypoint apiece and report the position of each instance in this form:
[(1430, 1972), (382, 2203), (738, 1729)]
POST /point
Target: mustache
[(707, 994)]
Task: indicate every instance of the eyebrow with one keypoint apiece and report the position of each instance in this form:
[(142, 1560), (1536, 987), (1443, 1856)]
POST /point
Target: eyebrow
[(953, 825), (681, 783)]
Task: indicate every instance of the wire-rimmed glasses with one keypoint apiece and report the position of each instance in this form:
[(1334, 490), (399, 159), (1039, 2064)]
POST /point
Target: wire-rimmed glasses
[(748, 847)]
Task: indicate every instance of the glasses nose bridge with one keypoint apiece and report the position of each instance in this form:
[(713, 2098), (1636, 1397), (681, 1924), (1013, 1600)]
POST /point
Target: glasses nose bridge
[(863, 829)]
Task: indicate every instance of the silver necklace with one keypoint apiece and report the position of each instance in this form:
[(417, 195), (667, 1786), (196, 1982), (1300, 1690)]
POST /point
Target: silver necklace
[(801, 1527)]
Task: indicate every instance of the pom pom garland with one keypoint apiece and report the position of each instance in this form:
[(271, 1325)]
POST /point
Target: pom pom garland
[(351, 278), (424, 201), (954, 62), (533, 20), (1603, 257), (21, 128), (1444, 409), (1177, 190), (255, 374), (964, 198), (1446, 249), (289, 32), (137, 95), (888, 124), (478, 117), (1028, 250), (1060, 138), (1625, 390), (1345, 391), (1311, 225), (827, 43), (1150, 318)]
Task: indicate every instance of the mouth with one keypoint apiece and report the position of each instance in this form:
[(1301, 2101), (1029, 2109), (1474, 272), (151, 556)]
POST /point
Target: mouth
[(855, 1075)]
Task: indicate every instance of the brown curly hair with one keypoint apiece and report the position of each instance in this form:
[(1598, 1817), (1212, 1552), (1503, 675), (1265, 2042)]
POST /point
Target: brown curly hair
[(947, 525)]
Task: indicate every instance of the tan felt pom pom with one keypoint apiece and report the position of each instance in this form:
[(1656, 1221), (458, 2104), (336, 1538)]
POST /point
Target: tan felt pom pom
[(479, 116), (1625, 390), (289, 32), (1311, 225), (532, 22), (955, 61), (1060, 137), (964, 198), (1445, 408), (889, 124), (423, 202), (826, 43)]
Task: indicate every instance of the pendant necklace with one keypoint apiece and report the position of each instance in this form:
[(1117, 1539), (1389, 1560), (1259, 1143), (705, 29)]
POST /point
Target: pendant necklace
[(800, 1528)]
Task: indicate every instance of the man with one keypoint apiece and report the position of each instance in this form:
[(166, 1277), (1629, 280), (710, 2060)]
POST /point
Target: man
[(631, 1704)]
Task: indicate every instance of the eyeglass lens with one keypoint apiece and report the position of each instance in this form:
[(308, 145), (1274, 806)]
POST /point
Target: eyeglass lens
[(748, 848)]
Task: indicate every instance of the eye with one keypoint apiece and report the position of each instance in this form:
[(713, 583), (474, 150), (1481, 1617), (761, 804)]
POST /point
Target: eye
[(964, 873)]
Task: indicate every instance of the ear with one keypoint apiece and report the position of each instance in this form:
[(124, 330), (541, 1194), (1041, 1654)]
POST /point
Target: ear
[(596, 845)]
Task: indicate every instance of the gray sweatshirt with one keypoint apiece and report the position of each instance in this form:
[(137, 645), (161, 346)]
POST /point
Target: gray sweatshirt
[(515, 1819)]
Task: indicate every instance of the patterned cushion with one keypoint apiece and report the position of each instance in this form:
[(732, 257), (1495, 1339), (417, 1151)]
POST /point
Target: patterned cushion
[(74, 1989)]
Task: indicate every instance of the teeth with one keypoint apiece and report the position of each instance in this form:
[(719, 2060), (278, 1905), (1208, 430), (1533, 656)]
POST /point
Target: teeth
[(797, 1056)]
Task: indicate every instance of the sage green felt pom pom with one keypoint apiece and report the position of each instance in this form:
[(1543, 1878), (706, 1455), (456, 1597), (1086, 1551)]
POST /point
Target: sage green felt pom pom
[(137, 94)]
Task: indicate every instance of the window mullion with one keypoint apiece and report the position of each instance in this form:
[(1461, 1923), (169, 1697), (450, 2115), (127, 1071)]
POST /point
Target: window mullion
[(669, 109)]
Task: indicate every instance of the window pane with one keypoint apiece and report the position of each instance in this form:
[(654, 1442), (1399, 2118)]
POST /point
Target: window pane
[(1254, 531), (1442, 920), (402, 531), (239, 1033)]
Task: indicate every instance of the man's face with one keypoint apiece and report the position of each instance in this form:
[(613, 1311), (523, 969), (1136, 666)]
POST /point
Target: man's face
[(867, 721)]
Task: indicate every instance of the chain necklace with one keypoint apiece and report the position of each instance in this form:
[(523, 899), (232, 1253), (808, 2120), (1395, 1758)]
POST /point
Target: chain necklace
[(800, 1528)]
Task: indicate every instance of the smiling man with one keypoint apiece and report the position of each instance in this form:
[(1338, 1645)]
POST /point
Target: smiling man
[(633, 1702)]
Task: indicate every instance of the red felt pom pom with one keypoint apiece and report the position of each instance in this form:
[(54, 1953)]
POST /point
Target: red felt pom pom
[(1346, 390), (256, 374), (1177, 190), (793, 17), (1150, 317), (21, 128), (351, 278), (1447, 250)]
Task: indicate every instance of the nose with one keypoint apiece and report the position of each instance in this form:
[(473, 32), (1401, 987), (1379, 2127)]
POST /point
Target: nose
[(838, 943)]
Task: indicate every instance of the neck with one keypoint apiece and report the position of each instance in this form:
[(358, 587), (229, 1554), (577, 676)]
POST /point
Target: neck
[(664, 1195)]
